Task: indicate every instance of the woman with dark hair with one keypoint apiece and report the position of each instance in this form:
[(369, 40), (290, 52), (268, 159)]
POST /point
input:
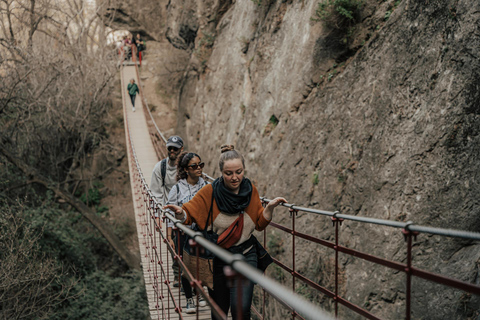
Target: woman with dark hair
[(190, 181), (237, 211)]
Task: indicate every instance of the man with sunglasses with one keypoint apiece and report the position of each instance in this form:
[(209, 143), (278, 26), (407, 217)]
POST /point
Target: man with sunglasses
[(164, 177)]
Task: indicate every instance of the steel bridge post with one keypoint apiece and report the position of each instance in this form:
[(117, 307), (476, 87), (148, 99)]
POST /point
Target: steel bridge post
[(166, 281), (337, 222), (178, 257), (154, 213), (407, 234), (293, 214), (264, 204)]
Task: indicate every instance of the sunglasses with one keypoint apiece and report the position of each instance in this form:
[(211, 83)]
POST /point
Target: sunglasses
[(195, 166), (172, 149)]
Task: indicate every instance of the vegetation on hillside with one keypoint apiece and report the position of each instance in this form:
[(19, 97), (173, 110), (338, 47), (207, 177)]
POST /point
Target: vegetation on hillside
[(60, 259)]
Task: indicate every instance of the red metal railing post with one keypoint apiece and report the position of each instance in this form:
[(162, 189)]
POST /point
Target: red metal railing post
[(264, 204), (293, 214), (336, 223), (407, 234), (167, 281), (194, 244), (154, 212), (160, 262), (409, 277), (178, 257)]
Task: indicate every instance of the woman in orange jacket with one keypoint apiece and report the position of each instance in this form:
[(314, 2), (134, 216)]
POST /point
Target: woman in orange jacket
[(236, 212)]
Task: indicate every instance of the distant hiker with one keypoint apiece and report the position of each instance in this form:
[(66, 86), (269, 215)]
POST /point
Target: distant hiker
[(125, 47), (164, 177), (140, 43), (190, 181), (237, 211), (132, 91), (128, 45)]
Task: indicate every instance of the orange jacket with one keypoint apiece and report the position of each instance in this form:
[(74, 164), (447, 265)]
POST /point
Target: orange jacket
[(197, 209)]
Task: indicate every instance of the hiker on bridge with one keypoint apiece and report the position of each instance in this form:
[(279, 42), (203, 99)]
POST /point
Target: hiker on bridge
[(236, 209), (140, 43), (190, 181), (164, 177), (132, 89), (127, 46)]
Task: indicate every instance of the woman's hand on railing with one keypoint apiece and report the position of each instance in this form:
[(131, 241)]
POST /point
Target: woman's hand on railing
[(178, 211), (276, 202), (267, 213)]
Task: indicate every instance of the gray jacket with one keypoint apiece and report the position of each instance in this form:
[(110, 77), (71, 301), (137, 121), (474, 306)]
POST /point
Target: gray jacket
[(160, 188), (183, 192)]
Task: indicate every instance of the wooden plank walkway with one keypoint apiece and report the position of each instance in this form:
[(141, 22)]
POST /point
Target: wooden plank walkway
[(147, 159)]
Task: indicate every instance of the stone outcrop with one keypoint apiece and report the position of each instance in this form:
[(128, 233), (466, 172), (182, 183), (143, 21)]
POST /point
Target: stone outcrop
[(144, 17), (383, 123)]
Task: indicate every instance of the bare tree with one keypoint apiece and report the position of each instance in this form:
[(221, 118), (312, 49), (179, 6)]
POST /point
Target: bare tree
[(56, 71)]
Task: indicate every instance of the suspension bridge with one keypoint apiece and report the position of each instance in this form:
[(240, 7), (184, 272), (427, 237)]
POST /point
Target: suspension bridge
[(146, 146)]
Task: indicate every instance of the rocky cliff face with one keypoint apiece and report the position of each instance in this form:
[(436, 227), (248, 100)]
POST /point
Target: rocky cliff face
[(381, 123)]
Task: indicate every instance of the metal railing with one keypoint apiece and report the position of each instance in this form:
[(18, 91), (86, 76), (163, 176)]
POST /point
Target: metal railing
[(408, 229)]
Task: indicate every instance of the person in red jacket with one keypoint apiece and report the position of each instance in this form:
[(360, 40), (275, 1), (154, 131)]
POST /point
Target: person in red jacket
[(236, 207)]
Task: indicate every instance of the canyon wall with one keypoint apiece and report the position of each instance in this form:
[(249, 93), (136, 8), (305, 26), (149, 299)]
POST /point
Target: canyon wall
[(382, 121)]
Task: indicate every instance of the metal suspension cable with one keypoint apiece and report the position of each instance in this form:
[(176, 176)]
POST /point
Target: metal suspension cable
[(409, 225)]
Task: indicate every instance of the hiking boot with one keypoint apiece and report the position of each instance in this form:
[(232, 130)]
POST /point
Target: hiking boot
[(190, 306)]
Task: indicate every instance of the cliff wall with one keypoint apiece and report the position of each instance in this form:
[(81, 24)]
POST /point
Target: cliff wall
[(382, 122)]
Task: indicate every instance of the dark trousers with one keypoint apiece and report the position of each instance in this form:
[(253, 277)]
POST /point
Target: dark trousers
[(175, 261), (226, 296), (187, 288), (132, 97)]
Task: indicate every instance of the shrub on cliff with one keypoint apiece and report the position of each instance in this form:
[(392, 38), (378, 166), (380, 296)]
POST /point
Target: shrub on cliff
[(339, 14)]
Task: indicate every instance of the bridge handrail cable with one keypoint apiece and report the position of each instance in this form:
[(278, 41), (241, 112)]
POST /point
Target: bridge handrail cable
[(409, 225)]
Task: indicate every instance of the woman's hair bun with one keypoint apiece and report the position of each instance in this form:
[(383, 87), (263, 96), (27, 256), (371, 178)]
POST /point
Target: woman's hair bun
[(227, 147)]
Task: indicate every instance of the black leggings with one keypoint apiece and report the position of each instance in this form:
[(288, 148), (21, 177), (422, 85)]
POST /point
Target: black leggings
[(226, 296), (187, 288)]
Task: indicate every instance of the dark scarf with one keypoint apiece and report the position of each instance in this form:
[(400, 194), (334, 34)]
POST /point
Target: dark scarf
[(229, 202)]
